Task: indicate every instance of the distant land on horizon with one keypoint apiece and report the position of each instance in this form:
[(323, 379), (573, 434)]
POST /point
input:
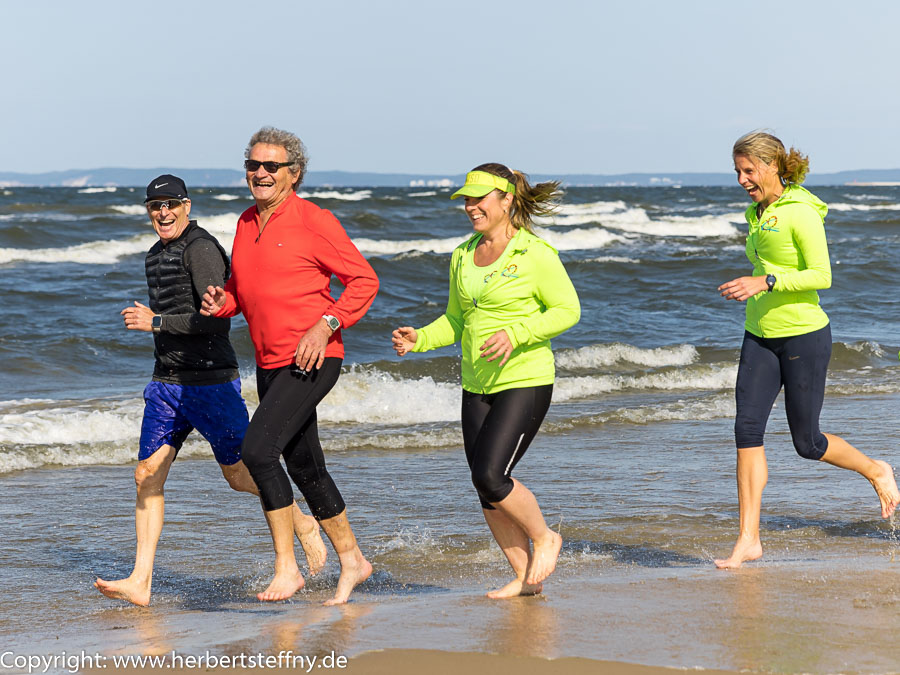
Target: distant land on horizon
[(122, 177)]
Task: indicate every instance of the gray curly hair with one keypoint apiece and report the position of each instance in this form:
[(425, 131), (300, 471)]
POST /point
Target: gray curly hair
[(296, 151)]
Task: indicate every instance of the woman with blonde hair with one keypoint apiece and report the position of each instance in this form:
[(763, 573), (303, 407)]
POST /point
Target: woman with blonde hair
[(509, 295), (787, 338)]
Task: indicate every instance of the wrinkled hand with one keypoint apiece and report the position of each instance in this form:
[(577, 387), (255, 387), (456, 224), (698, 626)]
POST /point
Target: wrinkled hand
[(311, 348), (497, 345), (139, 317), (404, 339), (744, 287), (212, 301)]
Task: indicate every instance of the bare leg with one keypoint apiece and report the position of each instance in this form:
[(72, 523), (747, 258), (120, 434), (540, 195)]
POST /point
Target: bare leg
[(752, 476), (149, 477), (288, 579), (516, 547), (306, 528), (354, 567), (522, 508), (879, 473)]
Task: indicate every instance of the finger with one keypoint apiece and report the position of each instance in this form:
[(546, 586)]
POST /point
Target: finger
[(505, 359)]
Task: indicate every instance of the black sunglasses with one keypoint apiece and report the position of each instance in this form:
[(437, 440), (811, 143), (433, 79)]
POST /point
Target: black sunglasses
[(158, 204), (271, 167)]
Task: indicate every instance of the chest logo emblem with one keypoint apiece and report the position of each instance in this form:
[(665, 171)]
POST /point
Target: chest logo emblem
[(768, 225)]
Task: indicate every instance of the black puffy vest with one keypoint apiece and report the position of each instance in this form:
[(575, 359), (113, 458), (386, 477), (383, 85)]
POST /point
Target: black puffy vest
[(199, 358)]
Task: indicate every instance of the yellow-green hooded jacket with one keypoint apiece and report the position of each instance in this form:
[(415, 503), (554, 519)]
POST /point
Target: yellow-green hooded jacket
[(533, 300), (788, 240)]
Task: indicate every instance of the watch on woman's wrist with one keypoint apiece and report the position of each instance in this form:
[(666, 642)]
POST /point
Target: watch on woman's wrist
[(770, 282)]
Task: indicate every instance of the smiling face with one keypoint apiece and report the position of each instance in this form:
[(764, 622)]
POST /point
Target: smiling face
[(489, 214), (270, 189), (759, 179), (170, 223)]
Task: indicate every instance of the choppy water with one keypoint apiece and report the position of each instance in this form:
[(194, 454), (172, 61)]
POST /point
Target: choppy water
[(635, 461)]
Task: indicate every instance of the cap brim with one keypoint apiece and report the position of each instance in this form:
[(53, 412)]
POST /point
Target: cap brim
[(473, 190)]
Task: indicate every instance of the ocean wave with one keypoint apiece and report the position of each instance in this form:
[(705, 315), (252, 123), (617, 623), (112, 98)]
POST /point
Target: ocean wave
[(103, 252), (699, 377), (614, 259), (227, 197), (704, 408), (596, 356), (863, 207), (430, 193), (95, 190), (359, 195), (130, 209)]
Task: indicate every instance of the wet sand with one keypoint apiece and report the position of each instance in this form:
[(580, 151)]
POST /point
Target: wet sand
[(775, 618)]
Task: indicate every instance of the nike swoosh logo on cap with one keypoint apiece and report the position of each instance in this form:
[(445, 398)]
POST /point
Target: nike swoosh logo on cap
[(156, 187)]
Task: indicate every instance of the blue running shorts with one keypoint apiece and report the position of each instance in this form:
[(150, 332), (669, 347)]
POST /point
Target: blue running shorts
[(172, 411)]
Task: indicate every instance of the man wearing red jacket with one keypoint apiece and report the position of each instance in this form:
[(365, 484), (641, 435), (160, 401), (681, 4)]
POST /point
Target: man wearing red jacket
[(285, 252)]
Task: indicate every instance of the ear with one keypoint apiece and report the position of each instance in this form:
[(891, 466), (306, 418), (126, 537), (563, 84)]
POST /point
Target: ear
[(187, 207)]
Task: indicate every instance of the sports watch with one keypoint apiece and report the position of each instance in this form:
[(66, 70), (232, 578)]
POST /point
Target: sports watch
[(156, 323), (332, 321), (770, 282)]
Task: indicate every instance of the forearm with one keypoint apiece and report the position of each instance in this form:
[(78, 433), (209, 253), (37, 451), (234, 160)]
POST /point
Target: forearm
[(193, 324)]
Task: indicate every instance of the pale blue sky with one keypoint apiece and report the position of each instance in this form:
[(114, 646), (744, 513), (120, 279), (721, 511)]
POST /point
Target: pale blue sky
[(416, 86)]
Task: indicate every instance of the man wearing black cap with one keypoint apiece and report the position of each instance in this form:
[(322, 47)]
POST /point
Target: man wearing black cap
[(195, 385)]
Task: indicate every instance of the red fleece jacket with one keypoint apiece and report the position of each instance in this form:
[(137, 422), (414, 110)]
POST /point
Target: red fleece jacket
[(281, 279)]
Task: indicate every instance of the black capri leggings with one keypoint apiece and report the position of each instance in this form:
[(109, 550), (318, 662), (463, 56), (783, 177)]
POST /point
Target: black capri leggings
[(798, 362), (284, 425), (497, 430)]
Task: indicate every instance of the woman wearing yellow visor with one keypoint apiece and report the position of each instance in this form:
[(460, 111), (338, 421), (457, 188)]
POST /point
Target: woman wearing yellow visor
[(509, 294)]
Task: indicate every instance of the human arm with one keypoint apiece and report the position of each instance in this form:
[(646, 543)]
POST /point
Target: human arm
[(808, 233), (337, 255), (554, 290), (205, 265)]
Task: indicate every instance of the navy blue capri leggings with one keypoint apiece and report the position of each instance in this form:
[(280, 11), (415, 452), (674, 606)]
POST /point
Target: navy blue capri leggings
[(497, 430), (799, 363)]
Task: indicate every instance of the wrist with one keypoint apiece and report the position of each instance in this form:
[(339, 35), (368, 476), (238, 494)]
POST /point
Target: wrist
[(332, 323), (156, 323)]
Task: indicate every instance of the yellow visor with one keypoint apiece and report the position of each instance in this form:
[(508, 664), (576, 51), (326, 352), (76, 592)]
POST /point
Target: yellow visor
[(480, 183)]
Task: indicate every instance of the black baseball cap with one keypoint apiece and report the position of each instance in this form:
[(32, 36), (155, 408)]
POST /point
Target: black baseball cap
[(166, 186)]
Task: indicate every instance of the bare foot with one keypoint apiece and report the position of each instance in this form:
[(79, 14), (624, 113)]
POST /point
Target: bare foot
[(743, 551), (130, 590), (515, 588), (355, 569), (311, 541), (886, 487), (283, 586), (543, 562)]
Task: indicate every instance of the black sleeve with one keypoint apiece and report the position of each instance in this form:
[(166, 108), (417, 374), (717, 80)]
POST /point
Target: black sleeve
[(205, 265)]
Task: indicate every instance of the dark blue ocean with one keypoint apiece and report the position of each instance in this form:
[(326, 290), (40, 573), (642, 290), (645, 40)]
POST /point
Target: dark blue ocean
[(635, 463)]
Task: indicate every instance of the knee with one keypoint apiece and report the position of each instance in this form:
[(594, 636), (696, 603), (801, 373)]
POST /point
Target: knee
[(149, 478), (811, 447), (490, 486)]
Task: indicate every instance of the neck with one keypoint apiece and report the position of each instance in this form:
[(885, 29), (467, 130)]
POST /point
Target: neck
[(500, 234), (267, 208)]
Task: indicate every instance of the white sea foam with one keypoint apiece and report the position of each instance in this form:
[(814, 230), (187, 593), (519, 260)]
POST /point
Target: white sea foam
[(705, 408), (579, 239), (699, 377), (103, 252), (393, 246), (430, 193), (863, 207), (614, 259), (596, 356), (334, 194), (130, 209), (95, 190), (226, 197)]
